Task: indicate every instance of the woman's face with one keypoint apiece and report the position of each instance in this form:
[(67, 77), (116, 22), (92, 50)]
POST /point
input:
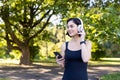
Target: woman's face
[(72, 28)]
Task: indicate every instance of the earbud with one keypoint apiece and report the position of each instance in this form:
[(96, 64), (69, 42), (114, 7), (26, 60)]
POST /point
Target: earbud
[(79, 28)]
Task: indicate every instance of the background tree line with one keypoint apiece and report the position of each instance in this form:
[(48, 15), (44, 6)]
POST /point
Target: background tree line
[(27, 29)]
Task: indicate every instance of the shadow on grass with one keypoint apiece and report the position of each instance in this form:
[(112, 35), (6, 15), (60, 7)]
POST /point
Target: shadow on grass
[(49, 70)]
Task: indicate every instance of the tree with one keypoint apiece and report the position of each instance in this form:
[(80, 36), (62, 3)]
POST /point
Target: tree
[(25, 19), (21, 19), (103, 25)]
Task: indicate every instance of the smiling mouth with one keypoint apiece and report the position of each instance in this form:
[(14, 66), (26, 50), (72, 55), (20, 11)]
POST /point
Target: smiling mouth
[(70, 32)]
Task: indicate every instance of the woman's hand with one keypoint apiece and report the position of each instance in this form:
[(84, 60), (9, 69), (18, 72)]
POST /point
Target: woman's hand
[(82, 34), (60, 61)]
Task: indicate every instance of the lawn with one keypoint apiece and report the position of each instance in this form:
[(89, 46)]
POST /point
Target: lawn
[(106, 61), (52, 62), (4, 79), (114, 76)]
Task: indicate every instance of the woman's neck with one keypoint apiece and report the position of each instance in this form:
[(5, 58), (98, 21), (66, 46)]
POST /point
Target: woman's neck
[(76, 38)]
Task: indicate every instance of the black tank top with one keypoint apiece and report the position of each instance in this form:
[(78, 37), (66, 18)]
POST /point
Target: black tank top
[(75, 68)]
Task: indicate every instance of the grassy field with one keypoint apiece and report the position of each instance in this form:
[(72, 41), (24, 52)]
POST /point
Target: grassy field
[(4, 79), (115, 76), (106, 61), (52, 62)]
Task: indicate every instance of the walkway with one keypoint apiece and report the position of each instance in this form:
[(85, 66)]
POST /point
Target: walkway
[(50, 73)]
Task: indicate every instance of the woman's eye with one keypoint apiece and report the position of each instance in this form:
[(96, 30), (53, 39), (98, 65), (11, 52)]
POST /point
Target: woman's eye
[(71, 26)]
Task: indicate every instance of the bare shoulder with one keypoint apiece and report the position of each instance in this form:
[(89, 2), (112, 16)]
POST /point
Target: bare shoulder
[(63, 47)]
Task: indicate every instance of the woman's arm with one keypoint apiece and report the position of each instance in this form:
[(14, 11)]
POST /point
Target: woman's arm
[(62, 60), (86, 50), (62, 50)]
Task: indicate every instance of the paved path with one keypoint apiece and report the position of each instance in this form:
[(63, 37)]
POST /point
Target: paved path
[(50, 73)]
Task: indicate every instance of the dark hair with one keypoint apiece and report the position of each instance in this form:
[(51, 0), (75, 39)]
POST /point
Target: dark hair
[(77, 21)]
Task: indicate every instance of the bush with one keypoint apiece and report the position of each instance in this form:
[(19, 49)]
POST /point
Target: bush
[(98, 51), (3, 52), (98, 54)]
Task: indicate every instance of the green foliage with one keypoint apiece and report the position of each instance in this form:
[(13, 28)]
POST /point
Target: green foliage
[(2, 52), (3, 48), (102, 25), (34, 50), (28, 18), (97, 55), (14, 54), (97, 51)]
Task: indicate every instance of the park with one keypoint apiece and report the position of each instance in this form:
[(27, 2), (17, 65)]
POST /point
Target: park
[(31, 30)]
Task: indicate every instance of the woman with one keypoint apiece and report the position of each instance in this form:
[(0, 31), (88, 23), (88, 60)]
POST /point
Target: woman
[(76, 52)]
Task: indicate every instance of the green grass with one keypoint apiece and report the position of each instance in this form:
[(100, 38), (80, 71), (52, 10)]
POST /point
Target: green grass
[(4, 79), (8, 62), (106, 61), (48, 62), (11, 62), (114, 76), (52, 62)]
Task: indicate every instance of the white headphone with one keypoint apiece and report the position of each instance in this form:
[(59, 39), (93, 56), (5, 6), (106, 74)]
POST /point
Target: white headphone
[(80, 26)]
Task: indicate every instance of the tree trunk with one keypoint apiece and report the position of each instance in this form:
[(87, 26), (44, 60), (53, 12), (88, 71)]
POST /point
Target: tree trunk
[(46, 50), (25, 57)]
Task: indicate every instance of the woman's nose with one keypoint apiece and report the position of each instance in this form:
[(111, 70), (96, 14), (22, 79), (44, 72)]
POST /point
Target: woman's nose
[(69, 28)]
